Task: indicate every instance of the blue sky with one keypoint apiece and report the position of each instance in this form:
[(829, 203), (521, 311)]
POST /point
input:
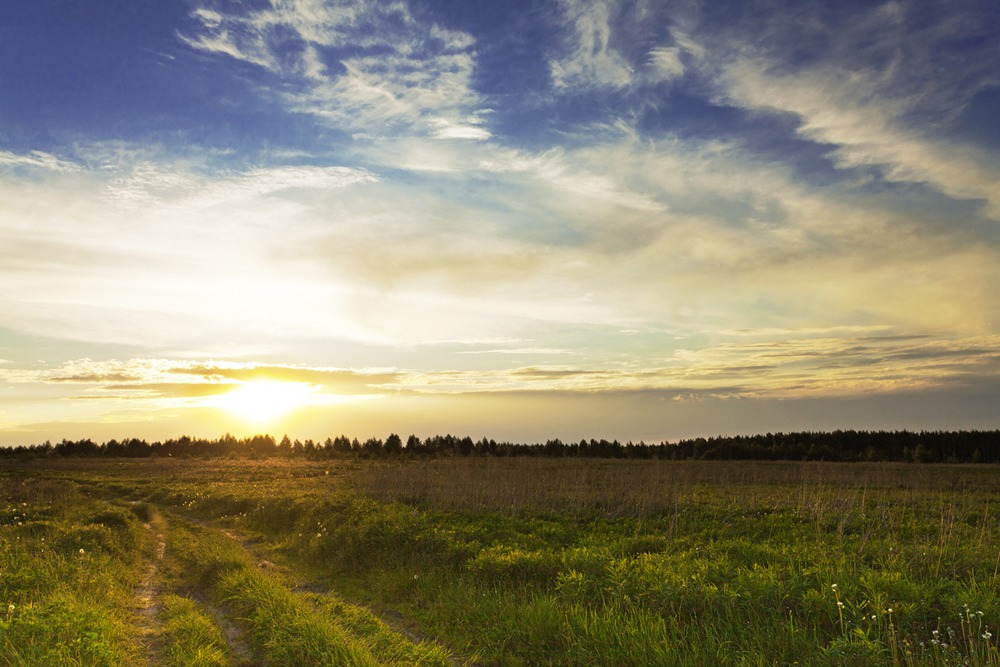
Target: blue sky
[(640, 220)]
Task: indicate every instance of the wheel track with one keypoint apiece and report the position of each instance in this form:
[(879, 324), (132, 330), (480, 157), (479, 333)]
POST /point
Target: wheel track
[(148, 592), (148, 595), (392, 620)]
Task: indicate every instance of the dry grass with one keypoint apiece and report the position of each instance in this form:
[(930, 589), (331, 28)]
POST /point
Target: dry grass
[(631, 488)]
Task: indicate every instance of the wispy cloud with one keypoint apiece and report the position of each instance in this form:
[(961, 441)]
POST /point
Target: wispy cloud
[(546, 351), (592, 61), (36, 160), (617, 46), (880, 95), (774, 366), (157, 378), (369, 67), (149, 184), (784, 367)]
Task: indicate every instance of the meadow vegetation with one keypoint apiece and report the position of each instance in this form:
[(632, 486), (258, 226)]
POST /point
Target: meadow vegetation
[(498, 561)]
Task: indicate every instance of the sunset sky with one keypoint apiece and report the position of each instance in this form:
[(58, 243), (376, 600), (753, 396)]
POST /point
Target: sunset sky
[(513, 219)]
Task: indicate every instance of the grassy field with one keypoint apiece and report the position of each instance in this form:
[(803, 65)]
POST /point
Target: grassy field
[(497, 562)]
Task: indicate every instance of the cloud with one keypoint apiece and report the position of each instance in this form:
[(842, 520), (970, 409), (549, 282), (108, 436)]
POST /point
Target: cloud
[(339, 379), (152, 254), (620, 47), (36, 160), (210, 18), (627, 228), (880, 92), (781, 367), (666, 62), (866, 132), (734, 229), (481, 241), (145, 377), (154, 393), (373, 67), (546, 351), (763, 365), (591, 61), (148, 184)]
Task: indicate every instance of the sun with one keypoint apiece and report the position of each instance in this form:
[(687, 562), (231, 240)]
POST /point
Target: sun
[(266, 400)]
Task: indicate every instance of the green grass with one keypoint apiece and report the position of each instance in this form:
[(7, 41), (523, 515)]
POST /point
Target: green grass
[(68, 566), (536, 562), (284, 626), (190, 635)]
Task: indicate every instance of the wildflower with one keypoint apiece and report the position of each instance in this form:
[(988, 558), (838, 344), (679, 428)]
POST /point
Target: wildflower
[(833, 586), (987, 634), (840, 604), (82, 551), (10, 608)]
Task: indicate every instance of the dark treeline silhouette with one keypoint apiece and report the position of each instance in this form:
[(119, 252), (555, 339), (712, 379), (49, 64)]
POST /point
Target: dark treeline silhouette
[(922, 447)]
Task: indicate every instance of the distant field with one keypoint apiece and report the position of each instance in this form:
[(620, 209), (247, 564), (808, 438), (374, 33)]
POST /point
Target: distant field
[(497, 561)]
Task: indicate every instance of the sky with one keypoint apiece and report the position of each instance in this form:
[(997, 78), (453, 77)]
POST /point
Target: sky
[(519, 219)]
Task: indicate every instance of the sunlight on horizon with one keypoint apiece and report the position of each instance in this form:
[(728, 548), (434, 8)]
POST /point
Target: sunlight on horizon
[(262, 401)]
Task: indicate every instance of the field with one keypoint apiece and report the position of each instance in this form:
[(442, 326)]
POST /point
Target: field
[(492, 561)]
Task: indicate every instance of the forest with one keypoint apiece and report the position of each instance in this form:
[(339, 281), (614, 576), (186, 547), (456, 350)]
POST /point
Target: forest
[(835, 446)]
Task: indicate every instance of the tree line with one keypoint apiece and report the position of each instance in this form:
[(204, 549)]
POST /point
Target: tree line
[(915, 447)]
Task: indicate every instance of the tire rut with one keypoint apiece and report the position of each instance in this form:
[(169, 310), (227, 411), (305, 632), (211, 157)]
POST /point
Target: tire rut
[(148, 593), (393, 620), (239, 648), (148, 596)]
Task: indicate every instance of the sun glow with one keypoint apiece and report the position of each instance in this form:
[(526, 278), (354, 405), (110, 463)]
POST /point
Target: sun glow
[(266, 400)]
